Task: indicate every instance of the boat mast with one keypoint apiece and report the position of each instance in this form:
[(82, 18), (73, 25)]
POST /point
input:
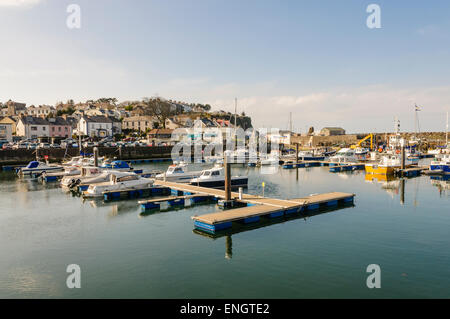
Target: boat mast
[(415, 122), (290, 122), (446, 132), (235, 112)]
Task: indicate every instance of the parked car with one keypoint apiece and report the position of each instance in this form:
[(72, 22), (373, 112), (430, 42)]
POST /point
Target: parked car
[(43, 145), (7, 146), (55, 145), (20, 146), (32, 146)]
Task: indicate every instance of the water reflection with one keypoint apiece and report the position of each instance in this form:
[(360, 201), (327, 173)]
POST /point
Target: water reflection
[(239, 227), (442, 183), (390, 184), (116, 208)]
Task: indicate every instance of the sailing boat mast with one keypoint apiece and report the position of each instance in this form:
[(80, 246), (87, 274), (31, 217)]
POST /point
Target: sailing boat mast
[(446, 132), (415, 122), (290, 122), (235, 113)]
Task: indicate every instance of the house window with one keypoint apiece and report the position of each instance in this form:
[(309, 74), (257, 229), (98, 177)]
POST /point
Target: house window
[(53, 128), (59, 129), (43, 128), (34, 128)]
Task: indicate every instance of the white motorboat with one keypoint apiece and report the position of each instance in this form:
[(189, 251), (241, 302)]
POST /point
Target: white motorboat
[(119, 181), (345, 155), (272, 159), (361, 151), (441, 164), (178, 173), (73, 161), (36, 167), (215, 178), (85, 173), (79, 161), (310, 156)]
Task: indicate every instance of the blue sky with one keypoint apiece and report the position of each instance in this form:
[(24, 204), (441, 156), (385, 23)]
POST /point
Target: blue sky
[(316, 59)]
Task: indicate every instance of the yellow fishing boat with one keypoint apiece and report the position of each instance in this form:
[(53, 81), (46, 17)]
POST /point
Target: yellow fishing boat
[(387, 165)]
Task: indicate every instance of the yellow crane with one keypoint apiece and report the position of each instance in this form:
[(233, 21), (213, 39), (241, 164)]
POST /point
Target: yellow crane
[(370, 136)]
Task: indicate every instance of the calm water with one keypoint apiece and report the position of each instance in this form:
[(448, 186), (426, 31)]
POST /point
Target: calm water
[(123, 254)]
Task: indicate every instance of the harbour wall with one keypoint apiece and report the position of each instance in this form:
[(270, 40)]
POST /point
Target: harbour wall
[(22, 156)]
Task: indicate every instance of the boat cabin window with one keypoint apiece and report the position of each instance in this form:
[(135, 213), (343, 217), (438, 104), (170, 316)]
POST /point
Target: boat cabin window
[(206, 173), (127, 178), (178, 170), (215, 173)]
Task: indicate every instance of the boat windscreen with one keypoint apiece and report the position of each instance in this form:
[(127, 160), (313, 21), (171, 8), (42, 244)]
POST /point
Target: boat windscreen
[(33, 164)]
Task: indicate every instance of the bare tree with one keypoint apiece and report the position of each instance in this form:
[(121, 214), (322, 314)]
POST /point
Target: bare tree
[(158, 108)]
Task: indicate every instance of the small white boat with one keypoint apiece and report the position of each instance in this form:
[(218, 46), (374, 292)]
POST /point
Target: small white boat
[(178, 173), (345, 155), (360, 151), (119, 181), (73, 161), (85, 173), (79, 161), (310, 156), (215, 178), (441, 164), (270, 159), (35, 167)]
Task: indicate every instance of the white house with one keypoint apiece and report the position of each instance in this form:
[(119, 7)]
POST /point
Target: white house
[(100, 126), (32, 127), (40, 110), (5, 132)]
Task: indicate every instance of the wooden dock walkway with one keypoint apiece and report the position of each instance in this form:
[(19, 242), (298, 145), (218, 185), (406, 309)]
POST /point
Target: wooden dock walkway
[(257, 206), (292, 205)]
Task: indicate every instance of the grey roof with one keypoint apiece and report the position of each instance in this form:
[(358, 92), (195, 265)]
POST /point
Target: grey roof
[(59, 120), (97, 119), (34, 120)]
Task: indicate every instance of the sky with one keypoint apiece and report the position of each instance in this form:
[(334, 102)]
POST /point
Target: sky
[(315, 59)]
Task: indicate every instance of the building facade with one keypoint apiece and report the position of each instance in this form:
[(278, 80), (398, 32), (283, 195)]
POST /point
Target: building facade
[(59, 127), (41, 110), (95, 126), (32, 127), (16, 108), (332, 131), (138, 123), (9, 120), (5, 132)]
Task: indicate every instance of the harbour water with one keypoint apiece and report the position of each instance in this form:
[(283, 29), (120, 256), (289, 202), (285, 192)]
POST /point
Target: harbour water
[(124, 254)]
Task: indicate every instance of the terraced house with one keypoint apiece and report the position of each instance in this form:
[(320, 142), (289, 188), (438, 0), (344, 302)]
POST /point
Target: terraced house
[(59, 127), (138, 123), (100, 126), (32, 127)]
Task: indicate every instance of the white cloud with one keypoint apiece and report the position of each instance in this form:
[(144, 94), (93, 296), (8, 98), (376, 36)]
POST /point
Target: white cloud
[(19, 3)]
